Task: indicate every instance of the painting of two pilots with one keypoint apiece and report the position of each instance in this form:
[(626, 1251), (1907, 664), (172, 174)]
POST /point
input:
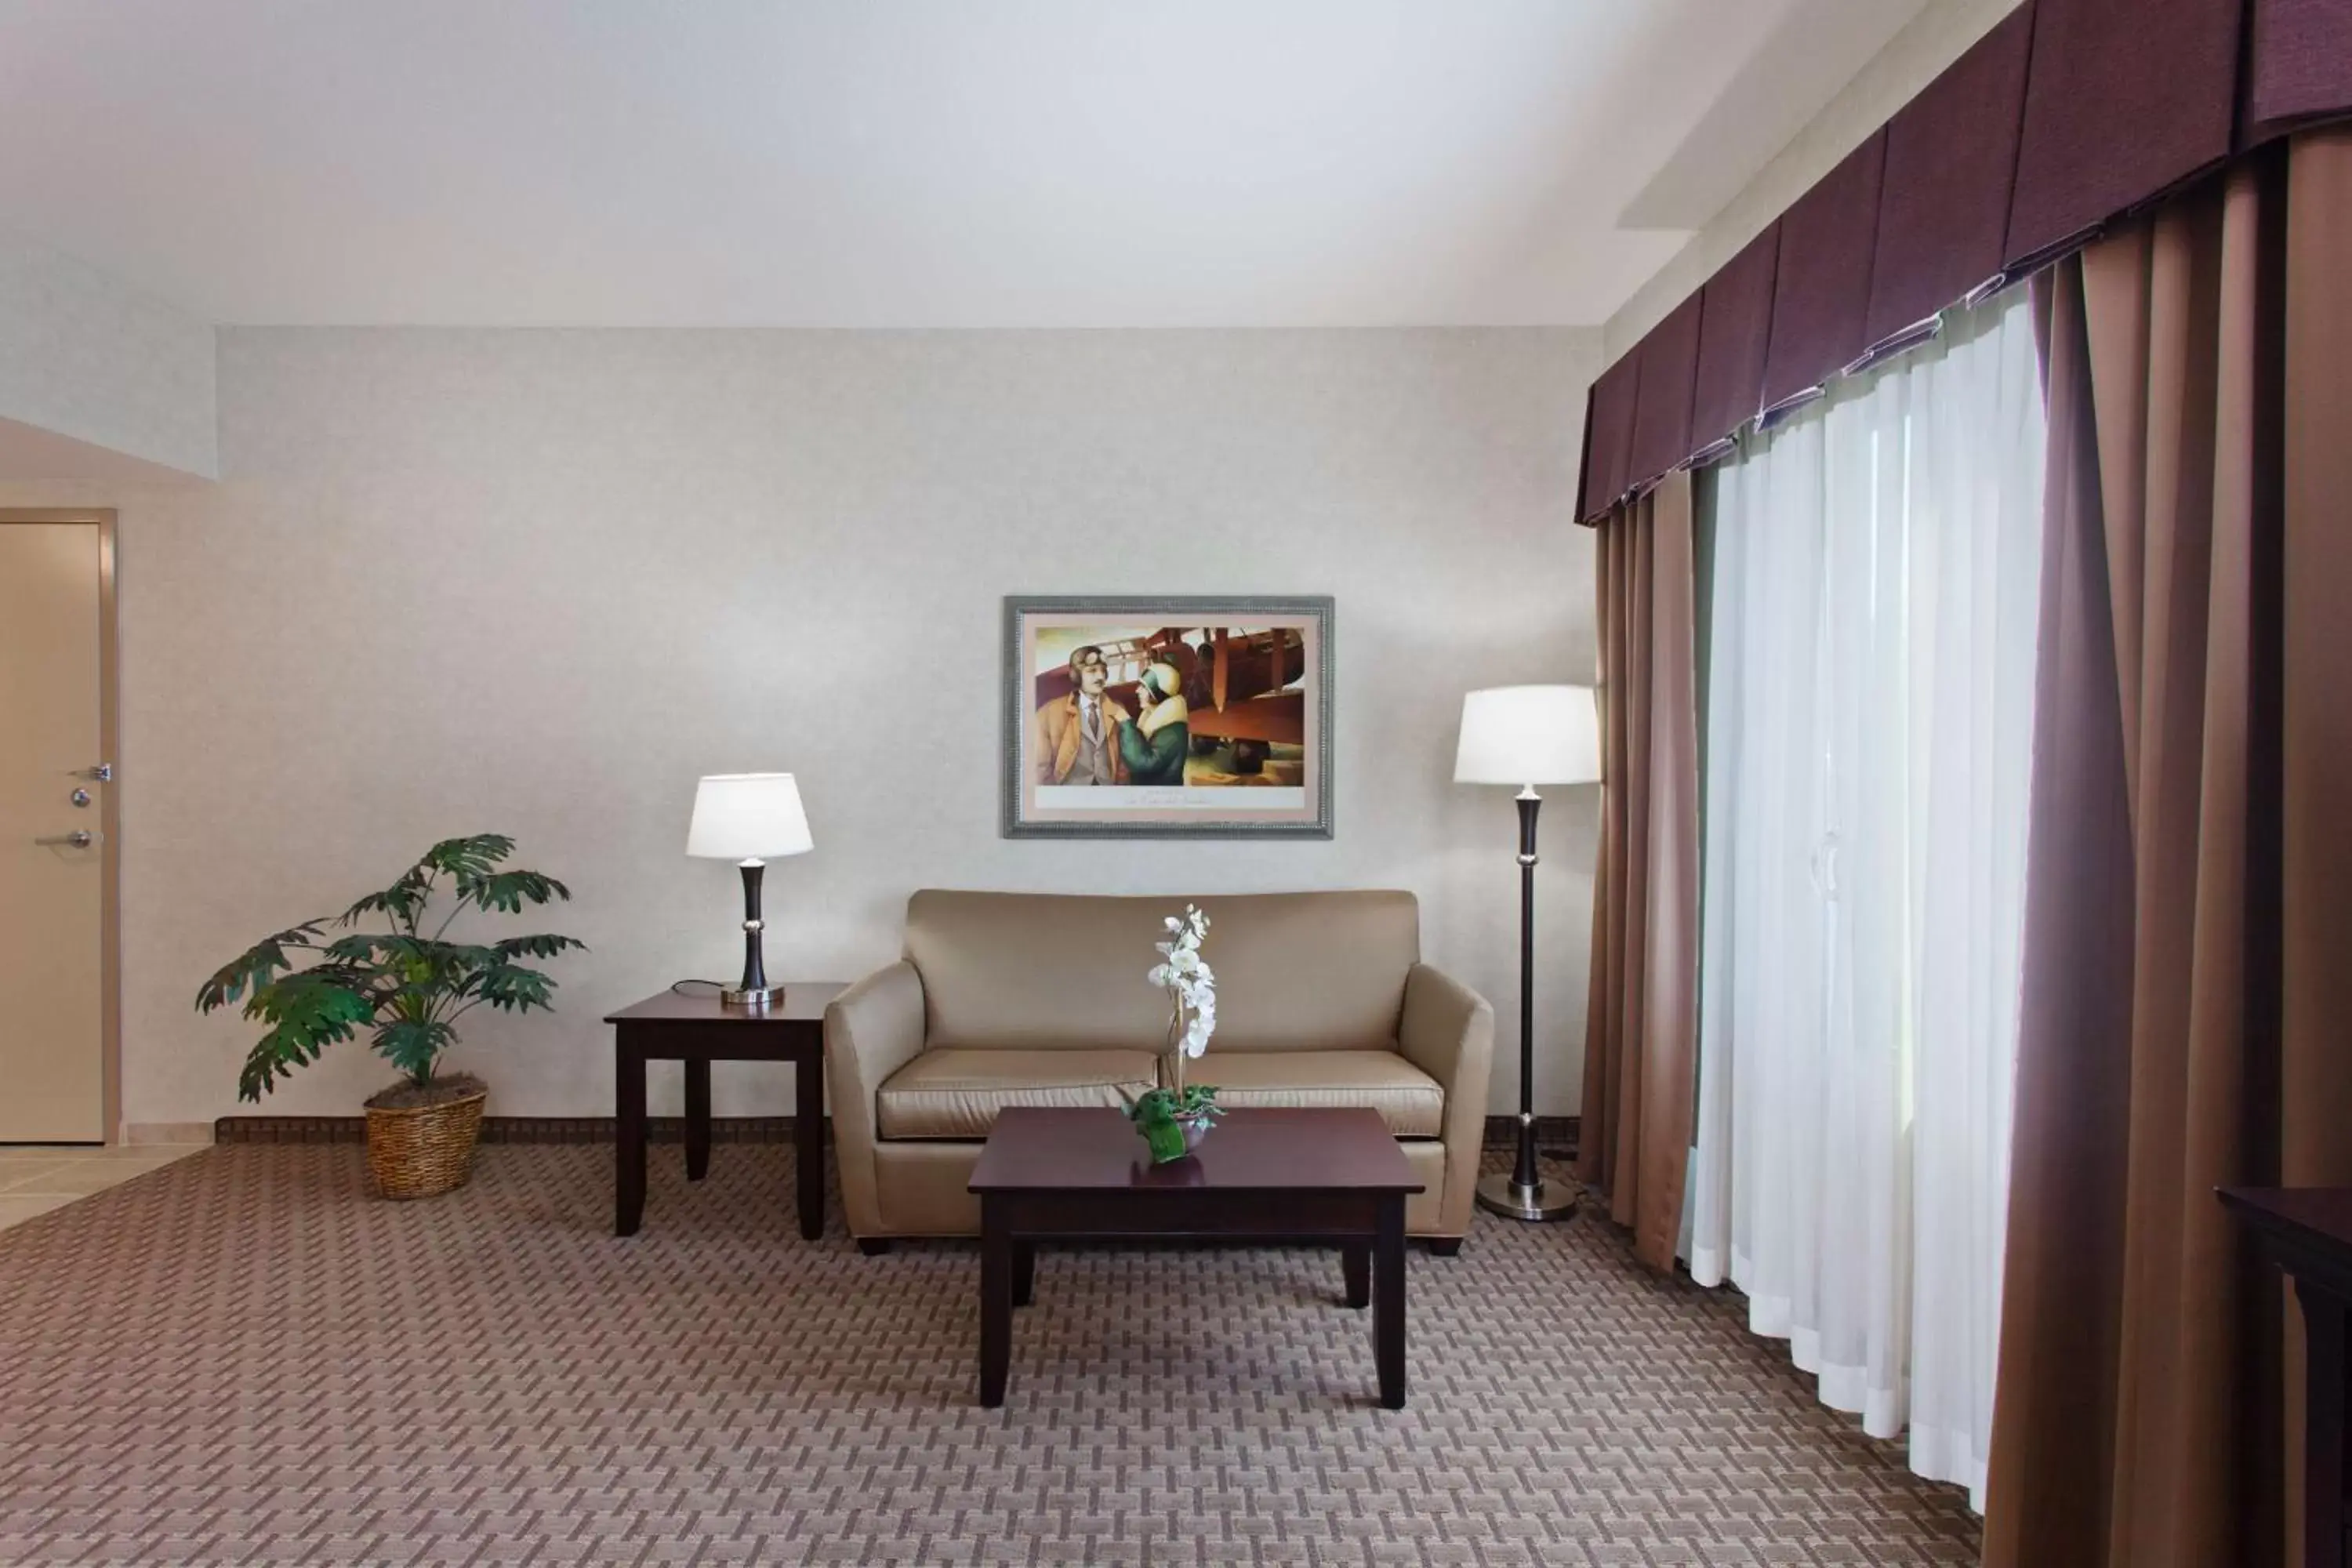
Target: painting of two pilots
[(1211, 723)]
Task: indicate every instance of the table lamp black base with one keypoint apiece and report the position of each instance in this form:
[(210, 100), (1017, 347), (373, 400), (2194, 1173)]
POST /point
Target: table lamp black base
[(754, 995)]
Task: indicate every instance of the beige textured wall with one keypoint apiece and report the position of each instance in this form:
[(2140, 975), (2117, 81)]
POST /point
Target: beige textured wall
[(538, 582), (85, 355), (1934, 38)]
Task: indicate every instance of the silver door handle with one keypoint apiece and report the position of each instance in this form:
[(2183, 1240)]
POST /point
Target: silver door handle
[(80, 838)]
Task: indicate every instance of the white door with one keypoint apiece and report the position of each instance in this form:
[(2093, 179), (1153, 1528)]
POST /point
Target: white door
[(54, 855)]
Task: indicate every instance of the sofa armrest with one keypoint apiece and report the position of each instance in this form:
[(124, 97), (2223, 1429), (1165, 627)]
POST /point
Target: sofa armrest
[(871, 1030), (1448, 1032)]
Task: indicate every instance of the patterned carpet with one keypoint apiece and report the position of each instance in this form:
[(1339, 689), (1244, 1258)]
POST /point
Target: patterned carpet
[(245, 1359)]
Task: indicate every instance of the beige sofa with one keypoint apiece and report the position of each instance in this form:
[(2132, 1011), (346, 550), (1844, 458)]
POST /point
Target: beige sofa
[(1036, 999)]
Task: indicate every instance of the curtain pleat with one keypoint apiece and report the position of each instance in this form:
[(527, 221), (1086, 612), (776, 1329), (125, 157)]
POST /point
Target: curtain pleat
[(2138, 1417), (1640, 1036)]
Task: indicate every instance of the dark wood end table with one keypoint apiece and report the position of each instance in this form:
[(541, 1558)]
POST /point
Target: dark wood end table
[(1325, 1177), (2308, 1232), (696, 1030)]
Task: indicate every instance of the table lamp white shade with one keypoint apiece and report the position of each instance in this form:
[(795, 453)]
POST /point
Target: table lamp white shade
[(1529, 735), (748, 816)]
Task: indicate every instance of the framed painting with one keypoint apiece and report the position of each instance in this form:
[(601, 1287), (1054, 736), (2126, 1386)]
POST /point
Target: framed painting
[(1161, 718)]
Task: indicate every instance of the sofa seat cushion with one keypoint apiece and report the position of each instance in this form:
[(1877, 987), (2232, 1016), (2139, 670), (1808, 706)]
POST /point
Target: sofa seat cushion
[(1411, 1101), (953, 1093)]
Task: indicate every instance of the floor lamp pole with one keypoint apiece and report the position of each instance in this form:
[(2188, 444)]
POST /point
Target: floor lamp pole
[(1522, 1194)]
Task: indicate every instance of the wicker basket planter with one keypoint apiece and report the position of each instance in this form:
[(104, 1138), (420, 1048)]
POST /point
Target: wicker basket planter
[(424, 1150)]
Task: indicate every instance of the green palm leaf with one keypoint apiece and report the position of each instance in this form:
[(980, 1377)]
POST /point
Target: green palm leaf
[(403, 902), (509, 890), (511, 988), (473, 856), (413, 960), (255, 965), (367, 946), (413, 1044), (537, 946), (307, 1012)]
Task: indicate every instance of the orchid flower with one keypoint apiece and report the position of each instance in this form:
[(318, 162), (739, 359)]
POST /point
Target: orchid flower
[(1191, 984)]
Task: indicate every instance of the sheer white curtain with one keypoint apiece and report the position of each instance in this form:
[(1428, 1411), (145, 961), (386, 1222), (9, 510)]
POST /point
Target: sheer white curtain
[(1869, 736)]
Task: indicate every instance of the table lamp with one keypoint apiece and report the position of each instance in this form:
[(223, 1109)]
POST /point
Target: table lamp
[(748, 818), (1527, 735)]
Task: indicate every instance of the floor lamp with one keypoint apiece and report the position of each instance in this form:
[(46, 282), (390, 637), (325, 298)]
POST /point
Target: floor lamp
[(1527, 735)]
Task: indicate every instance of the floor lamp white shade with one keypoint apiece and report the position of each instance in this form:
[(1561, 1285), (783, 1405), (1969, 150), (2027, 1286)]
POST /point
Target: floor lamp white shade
[(1528, 735), (748, 816)]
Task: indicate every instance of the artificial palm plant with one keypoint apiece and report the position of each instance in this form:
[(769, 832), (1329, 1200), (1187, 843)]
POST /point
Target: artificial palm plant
[(407, 984)]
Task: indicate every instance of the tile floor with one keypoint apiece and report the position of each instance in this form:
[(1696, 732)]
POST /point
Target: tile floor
[(35, 1178)]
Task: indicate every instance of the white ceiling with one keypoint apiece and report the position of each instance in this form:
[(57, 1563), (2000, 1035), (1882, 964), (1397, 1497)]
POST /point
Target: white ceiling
[(900, 162)]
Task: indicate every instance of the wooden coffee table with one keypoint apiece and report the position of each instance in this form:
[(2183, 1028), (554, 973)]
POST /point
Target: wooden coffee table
[(1307, 1178)]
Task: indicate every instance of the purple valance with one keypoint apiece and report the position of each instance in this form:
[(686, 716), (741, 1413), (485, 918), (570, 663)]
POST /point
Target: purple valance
[(1662, 403), (2124, 99), (1735, 329), (2065, 114), (1943, 209), (1823, 289), (2299, 64), (1609, 430)]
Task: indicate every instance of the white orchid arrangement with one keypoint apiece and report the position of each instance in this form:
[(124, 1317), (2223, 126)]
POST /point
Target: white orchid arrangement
[(1165, 1116), (1192, 985)]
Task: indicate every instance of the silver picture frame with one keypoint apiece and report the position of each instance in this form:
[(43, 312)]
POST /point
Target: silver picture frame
[(1203, 814)]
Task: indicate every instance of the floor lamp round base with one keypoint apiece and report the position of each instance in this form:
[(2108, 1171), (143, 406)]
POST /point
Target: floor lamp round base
[(1498, 1193)]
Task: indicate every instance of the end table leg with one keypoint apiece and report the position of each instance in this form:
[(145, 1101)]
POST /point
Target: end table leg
[(1388, 1301), (1025, 1273), (697, 1120), (1356, 1266), (808, 1141), (995, 1302), (628, 1139)]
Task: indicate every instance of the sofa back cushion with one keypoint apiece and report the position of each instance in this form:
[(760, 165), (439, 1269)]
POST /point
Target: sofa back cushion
[(1043, 971)]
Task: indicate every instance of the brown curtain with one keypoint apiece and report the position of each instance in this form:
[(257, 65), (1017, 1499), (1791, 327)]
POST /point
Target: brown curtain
[(2186, 923), (1642, 1020), (2315, 1014)]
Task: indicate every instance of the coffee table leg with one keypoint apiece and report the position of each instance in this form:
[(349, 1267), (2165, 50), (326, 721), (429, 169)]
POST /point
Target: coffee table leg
[(697, 1120), (1388, 1301), (808, 1141), (628, 1137), (995, 1302), (1356, 1266), (1024, 1272)]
